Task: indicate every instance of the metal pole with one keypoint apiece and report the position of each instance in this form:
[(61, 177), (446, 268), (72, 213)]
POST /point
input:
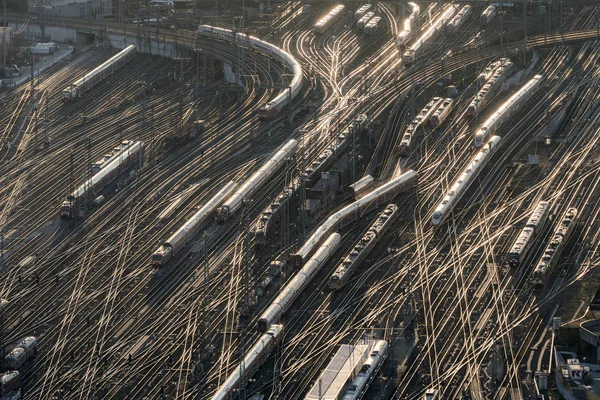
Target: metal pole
[(4, 38)]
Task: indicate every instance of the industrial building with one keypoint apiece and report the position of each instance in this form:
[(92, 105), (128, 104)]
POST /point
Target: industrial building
[(94, 9)]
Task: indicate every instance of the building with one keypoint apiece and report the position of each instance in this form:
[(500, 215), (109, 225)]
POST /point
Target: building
[(91, 9)]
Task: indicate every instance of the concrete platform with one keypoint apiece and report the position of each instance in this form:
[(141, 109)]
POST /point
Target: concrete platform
[(40, 66)]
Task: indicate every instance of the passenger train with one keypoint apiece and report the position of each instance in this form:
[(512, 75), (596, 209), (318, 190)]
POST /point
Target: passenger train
[(98, 74), (420, 45), (184, 235), (351, 212), (507, 110), (368, 371), (464, 180), (409, 26), (498, 72), (329, 19), (412, 128), (554, 249), (296, 285), (129, 156), (526, 238), (273, 107), (363, 248)]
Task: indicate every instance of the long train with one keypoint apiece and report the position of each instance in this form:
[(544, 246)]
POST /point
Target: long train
[(363, 248), (353, 211), (273, 107), (459, 19), (98, 74), (464, 180), (333, 15), (269, 168), (269, 215), (421, 43), (127, 158), (190, 228), (492, 80), (555, 247), (408, 27), (368, 371), (413, 127), (271, 212), (525, 240), (296, 285), (507, 110), (252, 360)]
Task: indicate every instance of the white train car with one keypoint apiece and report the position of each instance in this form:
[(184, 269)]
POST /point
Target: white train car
[(252, 360), (364, 20), (353, 211), (411, 55), (328, 20), (555, 247), (460, 18), (487, 15), (361, 11), (129, 157), (361, 186), (190, 228), (368, 371), (255, 182), (98, 74), (421, 118), (490, 88), (507, 110), (464, 180), (440, 115), (297, 284), (273, 107), (363, 248), (525, 240), (372, 28), (431, 394), (408, 27)]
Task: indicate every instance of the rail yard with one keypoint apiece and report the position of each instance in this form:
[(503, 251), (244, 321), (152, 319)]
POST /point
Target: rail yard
[(301, 200)]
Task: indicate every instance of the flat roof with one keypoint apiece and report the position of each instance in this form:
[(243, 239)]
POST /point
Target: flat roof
[(339, 371)]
